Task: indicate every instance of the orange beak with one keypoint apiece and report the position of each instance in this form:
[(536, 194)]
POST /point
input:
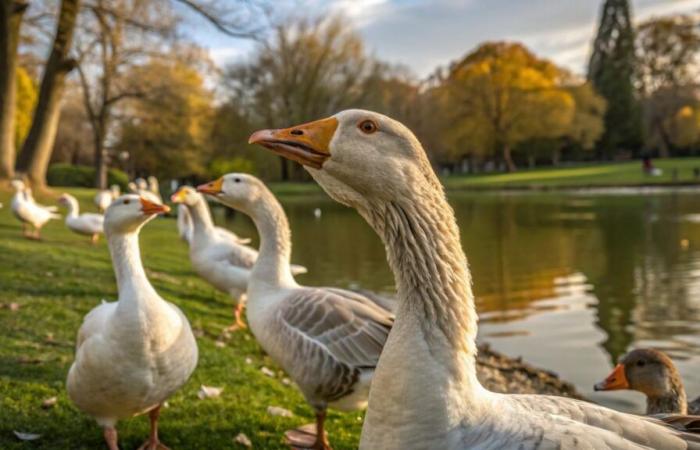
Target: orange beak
[(212, 188), (178, 196), (149, 208), (307, 144), (615, 381)]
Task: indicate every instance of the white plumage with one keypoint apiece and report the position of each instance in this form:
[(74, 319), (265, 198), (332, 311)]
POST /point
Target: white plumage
[(132, 354), (89, 224), (29, 212)]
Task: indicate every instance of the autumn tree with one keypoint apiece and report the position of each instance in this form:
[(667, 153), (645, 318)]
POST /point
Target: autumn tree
[(36, 151), (114, 36), (166, 131), (11, 13), (501, 95), (611, 71), (667, 51), (25, 102), (309, 69)]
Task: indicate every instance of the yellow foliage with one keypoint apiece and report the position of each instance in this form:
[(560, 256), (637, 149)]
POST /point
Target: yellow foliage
[(501, 95), (686, 126), (25, 103)]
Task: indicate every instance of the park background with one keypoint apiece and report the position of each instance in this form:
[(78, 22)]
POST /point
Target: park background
[(537, 115)]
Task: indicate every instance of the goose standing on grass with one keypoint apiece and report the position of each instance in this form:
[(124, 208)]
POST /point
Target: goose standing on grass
[(132, 354), (185, 227), (328, 340), (154, 187), (90, 224), (105, 197), (30, 213), (217, 256), (425, 393), (652, 373)]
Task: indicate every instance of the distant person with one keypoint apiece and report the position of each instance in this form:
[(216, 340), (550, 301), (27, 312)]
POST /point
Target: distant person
[(648, 167)]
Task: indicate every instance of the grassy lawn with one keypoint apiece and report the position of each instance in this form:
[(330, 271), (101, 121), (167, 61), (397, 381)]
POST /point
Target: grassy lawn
[(52, 284), (611, 174)]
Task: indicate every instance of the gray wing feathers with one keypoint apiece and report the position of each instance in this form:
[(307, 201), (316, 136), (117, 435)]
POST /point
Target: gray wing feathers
[(335, 335)]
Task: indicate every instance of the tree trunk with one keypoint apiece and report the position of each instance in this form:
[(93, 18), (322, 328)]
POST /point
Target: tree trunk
[(10, 21), (36, 151), (556, 156), (100, 159), (508, 158)]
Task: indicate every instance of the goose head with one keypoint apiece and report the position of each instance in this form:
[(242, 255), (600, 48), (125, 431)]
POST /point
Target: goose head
[(68, 201), (129, 213), (18, 185), (186, 195), (236, 190), (141, 184), (355, 155), (115, 190), (645, 370), (131, 186)]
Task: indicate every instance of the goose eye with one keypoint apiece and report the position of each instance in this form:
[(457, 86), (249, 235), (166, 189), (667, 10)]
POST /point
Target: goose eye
[(641, 363), (367, 126), (237, 180), (127, 201)]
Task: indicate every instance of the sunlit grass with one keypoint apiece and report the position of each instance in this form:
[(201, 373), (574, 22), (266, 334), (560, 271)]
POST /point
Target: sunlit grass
[(610, 174), (54, 283)]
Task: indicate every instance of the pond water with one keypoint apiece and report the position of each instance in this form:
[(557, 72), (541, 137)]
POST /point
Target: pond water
[(568, 281)]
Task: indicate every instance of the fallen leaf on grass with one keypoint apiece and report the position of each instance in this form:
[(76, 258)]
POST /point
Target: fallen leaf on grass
[(49, 402), (286, 381), (14, 306), (243, 440), (26, 436), (278, 411), (220, 344), (249, 360), (209, 392), (267, 372)]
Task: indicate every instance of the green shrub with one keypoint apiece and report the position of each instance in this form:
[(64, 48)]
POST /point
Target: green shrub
[(62, 174)]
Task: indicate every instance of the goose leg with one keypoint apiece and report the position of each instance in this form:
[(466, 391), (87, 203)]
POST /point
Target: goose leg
[(238, 323), (95, 238), (153, 443), (110, 434), (311, 436)]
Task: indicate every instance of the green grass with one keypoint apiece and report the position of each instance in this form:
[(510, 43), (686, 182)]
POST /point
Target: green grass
[(602, 175), (57, 281)]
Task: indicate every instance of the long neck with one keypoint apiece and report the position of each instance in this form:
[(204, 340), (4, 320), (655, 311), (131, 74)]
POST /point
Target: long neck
[(433, 280), (132, 282), (73, 208), (201, 218), (673, 402), (275, 250)]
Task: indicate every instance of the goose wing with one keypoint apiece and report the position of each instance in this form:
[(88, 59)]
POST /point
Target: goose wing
[(335, 334), (555, 419)]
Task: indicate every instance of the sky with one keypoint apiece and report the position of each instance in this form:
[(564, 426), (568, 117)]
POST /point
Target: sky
[(425, 34)]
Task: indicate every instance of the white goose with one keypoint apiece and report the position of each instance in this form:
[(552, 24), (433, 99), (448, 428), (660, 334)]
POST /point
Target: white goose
[(154, 186), (90, 224), (217, 256), (185, 227), (425, 394), (132, 354), (140, 187), (328, 340), (29, 212), (105, 197)]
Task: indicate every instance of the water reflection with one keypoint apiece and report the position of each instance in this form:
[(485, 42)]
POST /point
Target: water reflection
[(568, 281)]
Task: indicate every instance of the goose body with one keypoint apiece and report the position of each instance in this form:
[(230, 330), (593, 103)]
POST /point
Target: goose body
[(105, 197), (328, 340), (26, 210), (425, 394), (132, 354), (89, 224), (185, 228)]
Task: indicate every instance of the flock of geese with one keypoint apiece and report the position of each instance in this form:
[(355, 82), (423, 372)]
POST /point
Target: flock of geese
[(412, 365)]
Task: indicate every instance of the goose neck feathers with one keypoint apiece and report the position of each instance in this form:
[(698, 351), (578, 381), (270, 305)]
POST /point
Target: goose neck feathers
[(132, 282)]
